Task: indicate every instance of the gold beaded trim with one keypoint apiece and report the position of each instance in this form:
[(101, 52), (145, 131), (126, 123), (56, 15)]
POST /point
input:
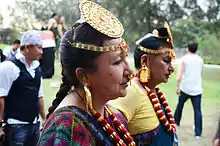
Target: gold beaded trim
[(156, 52), (122, 46)]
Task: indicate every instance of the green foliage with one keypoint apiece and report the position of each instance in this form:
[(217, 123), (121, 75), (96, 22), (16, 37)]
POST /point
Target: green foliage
[(2, 46), (43, 10), (185, 30), (209, 46), (8, 35), (141, 17)]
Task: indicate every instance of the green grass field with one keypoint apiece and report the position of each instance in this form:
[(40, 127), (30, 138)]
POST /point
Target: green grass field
[(2, 46), (210, 106)]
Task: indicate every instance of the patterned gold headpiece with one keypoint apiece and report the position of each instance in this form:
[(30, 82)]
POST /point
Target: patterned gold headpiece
[(170, 37), (101, 19), (156, 34), (122, 46)]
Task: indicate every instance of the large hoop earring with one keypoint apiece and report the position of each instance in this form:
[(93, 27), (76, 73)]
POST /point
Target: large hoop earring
[(144, 74)]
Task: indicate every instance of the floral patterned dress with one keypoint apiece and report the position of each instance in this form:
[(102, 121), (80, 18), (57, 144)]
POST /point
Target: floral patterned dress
[(72, 126)]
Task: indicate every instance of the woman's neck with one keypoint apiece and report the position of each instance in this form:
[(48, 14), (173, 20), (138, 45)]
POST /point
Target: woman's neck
[(98, 102), (28, 61), (151, 85)]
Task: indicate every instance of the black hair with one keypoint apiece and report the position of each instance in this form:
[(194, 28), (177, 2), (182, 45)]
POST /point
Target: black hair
[(192, 46), (72, 58), (151, 42), (23, 47), (54, 14), (17, 42)]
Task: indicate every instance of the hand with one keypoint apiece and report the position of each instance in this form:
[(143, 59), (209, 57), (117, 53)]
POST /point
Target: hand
[(2, 135), (216, 142), (43, 122), (177, 90)]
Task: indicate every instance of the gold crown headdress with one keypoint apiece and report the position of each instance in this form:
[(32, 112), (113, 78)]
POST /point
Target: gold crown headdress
[(103, 21), (169, 39)]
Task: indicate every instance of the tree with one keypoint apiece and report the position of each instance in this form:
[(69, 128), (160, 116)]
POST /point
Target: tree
[(186, 30), (142, 16), (43, 9), (209, 46), (194, 10), (213, 10), (8, 35)]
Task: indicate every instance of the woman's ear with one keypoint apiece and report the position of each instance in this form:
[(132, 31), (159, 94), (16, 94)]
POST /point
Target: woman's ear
[(145, 60), (82, 75)]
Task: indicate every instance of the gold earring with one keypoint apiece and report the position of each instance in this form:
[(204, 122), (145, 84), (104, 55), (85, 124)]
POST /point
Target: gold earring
[(88, 97), (144, 74)]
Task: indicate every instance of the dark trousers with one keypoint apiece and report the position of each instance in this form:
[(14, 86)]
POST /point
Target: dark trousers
[(22, 134), (47, 62), (196, 102)]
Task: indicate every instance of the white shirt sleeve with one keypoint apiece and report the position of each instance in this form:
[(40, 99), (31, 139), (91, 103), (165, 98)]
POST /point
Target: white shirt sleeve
[(9, 72), (40, 93), (7, 52)]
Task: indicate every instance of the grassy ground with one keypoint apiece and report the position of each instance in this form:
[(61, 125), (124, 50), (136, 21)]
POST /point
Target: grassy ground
[(210, 106), (2, 46)]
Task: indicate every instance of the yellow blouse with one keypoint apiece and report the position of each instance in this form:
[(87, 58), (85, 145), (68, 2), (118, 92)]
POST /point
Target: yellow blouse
[(137, 109)]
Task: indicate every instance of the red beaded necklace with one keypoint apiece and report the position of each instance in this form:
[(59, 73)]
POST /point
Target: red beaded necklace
[(155, 98), (126, 140)]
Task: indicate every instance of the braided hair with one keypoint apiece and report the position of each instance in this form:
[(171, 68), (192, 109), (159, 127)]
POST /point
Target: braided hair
[(73, 58)]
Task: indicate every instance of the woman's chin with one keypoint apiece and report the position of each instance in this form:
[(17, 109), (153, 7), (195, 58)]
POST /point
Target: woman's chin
[(122, 93), (165, 80)]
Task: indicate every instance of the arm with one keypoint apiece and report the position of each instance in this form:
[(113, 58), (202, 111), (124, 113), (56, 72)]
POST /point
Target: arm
[(50, 24), (42, 112), (60, 31), (2, 106), (179, 75), (41, 102), (8, 73)]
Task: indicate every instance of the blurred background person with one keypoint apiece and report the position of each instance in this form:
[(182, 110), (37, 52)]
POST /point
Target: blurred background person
[(10, 51), (53, 26), (190, 75), (61, 26), (48, 56)]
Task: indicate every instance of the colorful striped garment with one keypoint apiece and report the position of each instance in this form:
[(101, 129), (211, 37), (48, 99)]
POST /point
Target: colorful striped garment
[(72, 126)]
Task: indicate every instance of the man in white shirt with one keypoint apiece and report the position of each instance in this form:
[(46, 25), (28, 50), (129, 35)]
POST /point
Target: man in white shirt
[(10, 51), (21, 93), (190, 74)]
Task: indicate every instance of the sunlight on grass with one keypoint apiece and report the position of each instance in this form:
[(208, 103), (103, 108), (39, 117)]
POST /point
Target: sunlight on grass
[(2, 46)]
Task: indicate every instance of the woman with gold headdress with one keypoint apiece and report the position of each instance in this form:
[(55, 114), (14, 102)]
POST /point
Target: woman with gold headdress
[(148, 114), (94, 70)]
